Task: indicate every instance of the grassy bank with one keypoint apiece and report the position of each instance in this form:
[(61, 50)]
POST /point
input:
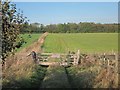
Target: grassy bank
[(28, 39)]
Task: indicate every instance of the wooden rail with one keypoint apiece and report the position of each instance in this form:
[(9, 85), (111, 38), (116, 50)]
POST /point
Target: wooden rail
[(48, 63)]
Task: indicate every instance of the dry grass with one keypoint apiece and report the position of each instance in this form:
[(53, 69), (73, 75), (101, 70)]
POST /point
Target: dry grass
[(16, 70), (107, 78), (107, 75), (93, 73)]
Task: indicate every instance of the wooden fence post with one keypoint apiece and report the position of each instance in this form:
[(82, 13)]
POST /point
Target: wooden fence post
[(104, 58), (116, 65), (78, 57), (116, 62), (108, 62), (116, 56), (74, 58)]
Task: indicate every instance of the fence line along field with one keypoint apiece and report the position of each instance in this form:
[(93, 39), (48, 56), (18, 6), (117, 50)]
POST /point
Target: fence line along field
[(86, 42)]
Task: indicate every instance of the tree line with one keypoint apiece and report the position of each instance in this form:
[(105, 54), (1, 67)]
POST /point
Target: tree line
[(82, 27)]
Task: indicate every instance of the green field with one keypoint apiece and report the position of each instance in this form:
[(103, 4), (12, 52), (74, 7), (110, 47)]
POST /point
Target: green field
[(29, 41), (85, 42)]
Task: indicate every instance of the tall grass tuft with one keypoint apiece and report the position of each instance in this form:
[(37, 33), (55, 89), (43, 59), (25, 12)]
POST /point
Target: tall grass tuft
[(22, 74)]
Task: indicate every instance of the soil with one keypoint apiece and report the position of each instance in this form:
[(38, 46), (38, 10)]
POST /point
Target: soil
[(36, 46)]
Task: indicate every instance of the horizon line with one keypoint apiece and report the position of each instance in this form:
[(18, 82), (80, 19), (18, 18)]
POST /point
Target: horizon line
[(75, 23)]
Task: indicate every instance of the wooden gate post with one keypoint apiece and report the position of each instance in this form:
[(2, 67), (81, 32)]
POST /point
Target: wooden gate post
[(78, 57), (74, 59)]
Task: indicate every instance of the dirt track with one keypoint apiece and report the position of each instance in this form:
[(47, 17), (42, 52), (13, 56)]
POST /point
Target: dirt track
[(36, 46)]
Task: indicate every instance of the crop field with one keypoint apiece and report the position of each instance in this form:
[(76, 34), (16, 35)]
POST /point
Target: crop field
[(28, 40), (85, 42)]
